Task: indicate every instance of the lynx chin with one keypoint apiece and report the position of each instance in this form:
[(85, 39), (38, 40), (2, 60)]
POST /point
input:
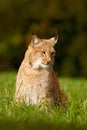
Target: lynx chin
[(36, 81)]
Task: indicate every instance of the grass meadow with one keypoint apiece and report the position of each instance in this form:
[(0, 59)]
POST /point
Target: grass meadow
[(74, 116)]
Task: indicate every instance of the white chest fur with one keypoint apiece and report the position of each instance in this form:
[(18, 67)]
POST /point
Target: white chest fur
[(36, 87)]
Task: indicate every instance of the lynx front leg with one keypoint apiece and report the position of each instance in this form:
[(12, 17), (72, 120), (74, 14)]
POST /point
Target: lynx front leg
[(19, 96)]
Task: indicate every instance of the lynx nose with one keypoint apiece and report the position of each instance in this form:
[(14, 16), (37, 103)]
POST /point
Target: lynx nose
[(47, 61)]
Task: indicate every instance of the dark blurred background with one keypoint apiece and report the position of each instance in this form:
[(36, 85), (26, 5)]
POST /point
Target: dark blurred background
[(43, 17)]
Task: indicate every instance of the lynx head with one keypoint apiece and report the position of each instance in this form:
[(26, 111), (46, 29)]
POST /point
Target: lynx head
[(42, 52)]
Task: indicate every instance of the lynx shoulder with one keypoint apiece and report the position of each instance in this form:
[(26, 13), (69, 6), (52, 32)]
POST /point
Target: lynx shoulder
[(36, 81)]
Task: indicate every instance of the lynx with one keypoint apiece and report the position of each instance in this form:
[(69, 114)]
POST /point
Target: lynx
[(36, 81)]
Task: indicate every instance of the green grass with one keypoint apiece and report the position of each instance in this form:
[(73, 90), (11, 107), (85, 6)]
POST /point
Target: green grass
[(23, 118)]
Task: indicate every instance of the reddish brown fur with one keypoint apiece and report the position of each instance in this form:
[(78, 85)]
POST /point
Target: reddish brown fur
[(36, 80)]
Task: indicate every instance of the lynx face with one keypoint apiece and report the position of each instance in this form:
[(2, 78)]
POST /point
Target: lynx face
[(42, 53)]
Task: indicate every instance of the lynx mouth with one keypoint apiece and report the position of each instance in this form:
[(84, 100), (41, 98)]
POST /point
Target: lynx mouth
[(45, 65)]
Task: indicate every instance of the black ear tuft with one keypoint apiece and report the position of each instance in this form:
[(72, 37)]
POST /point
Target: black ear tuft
[(32, 33)]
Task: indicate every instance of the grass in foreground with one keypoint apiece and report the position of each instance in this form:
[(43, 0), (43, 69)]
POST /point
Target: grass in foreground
[(22, 118)]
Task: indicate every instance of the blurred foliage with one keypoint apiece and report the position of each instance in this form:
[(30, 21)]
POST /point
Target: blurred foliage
[(19, 18)]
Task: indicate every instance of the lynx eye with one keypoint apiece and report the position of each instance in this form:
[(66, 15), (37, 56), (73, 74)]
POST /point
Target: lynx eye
[(52, 53), (43, 52)]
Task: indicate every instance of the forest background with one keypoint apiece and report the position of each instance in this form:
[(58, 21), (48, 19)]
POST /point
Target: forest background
[(43, 17)]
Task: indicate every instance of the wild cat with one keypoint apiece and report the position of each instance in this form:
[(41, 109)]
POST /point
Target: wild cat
[(36, 81)]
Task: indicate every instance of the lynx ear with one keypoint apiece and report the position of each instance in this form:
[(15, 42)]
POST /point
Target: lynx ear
[(54, 39), (35, 40)]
